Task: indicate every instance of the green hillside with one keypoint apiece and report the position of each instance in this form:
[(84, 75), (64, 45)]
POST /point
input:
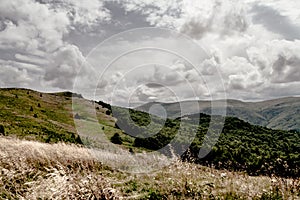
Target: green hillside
[(37, 116), (241, 146), (49, 117)]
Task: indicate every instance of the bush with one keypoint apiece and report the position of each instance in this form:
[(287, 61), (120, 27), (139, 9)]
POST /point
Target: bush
[(2, 131), (31, 108), (76, 116), (116, 139), (35, 116), (108, 112)]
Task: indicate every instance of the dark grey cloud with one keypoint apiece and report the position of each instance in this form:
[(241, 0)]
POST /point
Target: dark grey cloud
[(154, 85), (286, 69), (275, 22)]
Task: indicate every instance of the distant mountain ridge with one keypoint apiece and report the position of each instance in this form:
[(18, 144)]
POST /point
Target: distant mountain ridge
[(282, 113)]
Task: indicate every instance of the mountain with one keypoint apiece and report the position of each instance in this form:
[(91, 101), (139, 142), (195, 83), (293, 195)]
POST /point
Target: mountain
[(282, 114), (241, 146)]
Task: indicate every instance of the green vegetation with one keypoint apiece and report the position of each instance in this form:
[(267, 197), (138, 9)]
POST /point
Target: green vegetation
[(25, 118), (2, 130), (116, 139), (240, 147)]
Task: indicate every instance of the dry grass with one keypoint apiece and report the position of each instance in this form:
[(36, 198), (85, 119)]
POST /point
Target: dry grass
[(33, 170)]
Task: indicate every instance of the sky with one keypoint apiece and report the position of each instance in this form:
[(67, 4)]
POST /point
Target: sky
[(152, 50)]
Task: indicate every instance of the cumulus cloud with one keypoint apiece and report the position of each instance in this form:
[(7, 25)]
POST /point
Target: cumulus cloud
[(29, 26), (194, 18), (84, 16), (33, 34), (11, 71), (253, 52), (278, 60), (64, 65), (269, 17), (266, 66)]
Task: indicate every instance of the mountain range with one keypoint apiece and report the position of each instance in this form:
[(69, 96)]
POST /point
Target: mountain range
[(282, 113)]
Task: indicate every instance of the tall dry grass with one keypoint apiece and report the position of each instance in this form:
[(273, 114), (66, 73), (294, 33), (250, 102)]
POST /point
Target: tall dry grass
[(33, 170)]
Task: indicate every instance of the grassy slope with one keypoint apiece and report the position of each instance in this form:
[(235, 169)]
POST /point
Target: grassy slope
[(33, 170), (53, 121), (54, 116)]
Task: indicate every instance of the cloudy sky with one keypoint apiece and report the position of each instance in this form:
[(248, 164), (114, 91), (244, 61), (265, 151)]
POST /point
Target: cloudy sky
[(248, 50)]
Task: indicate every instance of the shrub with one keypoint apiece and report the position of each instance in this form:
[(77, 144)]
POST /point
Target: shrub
[(108, 112), (2, 131), (76, 116), (31, 108), (35, 115), (116, 139)]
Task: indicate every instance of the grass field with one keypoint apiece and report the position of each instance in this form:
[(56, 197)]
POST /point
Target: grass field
[(34, 170)]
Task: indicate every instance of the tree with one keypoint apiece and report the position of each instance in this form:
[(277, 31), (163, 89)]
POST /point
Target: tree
[(76, 116), (31, 108), (116, 139), (108, 112), (39, 105), (2, 131)]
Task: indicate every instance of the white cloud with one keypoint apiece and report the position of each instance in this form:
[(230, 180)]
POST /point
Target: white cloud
[(34, 33), (11, 71), (278, 60), (194, 18), (64, 65), (84, 16), (28, 25)]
